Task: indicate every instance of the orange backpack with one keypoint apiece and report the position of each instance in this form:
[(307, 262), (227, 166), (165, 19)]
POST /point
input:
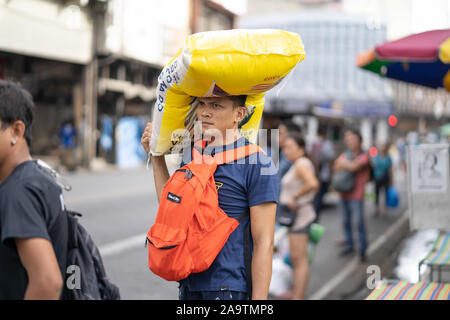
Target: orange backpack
[(190, 228)]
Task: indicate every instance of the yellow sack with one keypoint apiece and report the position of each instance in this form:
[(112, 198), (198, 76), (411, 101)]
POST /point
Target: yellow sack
[(221, 63)]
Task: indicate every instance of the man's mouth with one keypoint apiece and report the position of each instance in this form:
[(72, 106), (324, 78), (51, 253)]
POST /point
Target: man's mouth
[(207, 123)]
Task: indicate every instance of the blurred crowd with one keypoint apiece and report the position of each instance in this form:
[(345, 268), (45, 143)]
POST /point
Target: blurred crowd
[(307, 173)]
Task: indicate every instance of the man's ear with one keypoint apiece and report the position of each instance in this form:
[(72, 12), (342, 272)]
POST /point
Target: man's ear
[(18, 129), (242, 112)]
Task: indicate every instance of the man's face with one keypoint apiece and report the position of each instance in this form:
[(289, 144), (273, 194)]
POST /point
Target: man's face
[(347, 138), (218, 113), (353, 142)]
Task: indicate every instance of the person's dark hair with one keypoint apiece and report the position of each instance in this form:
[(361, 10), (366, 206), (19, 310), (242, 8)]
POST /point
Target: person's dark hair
[(298, 138), (238, 101), (16, 104), (356, 133), (291, 126)]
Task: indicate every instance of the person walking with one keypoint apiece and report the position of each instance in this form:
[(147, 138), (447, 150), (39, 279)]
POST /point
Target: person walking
[(323, 154), (242, 185), (352, 203), (68, 138), (33, 230), (298, 188), (382, 173)]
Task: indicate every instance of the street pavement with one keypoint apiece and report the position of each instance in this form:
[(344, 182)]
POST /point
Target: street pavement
[(119, 207)]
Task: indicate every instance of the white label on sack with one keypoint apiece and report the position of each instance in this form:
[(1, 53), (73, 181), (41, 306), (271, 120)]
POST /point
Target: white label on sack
[(173, 73)]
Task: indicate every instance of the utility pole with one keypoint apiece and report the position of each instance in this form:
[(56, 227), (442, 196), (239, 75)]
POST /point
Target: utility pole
[(90, 84)]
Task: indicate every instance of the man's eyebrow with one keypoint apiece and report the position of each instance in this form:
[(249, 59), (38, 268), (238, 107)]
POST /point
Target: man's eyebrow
[(211, 101)]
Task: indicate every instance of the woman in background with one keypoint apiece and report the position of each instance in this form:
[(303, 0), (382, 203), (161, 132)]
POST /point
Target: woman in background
[(298, 188)]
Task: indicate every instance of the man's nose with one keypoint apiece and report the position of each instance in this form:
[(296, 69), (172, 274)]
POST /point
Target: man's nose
[(206, 112)]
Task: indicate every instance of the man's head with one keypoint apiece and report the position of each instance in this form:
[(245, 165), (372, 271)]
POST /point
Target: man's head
[(16, 117), (221, 113), (353, 140)]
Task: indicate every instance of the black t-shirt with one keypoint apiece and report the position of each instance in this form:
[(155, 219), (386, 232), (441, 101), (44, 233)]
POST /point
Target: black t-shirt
[(31, 206)]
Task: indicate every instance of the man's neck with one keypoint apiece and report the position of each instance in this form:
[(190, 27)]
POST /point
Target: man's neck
[(355, 152), (14, 160), (230, 138)]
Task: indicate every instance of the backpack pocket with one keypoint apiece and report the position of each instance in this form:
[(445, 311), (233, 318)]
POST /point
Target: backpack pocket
[(175, 211)]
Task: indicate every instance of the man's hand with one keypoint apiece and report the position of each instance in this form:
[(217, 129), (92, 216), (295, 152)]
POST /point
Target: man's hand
[(160, 171), (146, 136), (340, 164)]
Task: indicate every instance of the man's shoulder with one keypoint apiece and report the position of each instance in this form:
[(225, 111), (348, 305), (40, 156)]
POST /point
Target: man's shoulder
[(29, 177)]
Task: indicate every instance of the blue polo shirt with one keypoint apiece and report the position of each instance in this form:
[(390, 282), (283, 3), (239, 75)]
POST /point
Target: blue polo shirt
[(241, 184)]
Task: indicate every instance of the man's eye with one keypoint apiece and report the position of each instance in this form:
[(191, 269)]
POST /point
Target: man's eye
[(216, 105)]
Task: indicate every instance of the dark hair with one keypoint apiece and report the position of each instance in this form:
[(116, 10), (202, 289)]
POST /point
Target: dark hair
[(298, 138), (16, 104), (356, 133), (291, 126), (238, 101)]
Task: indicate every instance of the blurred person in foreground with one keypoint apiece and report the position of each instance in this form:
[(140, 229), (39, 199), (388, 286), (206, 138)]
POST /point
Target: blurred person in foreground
[(242, 187), (33, 230), (298, 188), (382, 173), (355, 160)]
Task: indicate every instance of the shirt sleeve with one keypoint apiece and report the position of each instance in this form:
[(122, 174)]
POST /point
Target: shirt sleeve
[(22, 215), (363, 160), (262, 181)]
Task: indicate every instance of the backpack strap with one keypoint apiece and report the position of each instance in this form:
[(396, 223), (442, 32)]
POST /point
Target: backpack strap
[(226, 156), (238, 153)]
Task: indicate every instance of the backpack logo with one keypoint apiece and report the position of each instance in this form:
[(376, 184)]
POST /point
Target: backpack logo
[(218, 185), (173, 197)]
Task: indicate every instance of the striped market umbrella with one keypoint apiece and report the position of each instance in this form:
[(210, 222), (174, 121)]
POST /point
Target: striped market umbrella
[(422, 58)]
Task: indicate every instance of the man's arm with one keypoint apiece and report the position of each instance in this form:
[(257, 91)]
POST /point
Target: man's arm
[(44, 276), (160, 174), (353, 166), (159, 166), (262, 219)]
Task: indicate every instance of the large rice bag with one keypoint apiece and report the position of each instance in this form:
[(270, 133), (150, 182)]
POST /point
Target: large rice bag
[(221, 63)]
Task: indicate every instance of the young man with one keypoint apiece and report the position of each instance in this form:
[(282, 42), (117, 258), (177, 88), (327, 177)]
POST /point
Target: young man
[(241, 187), (352, 203), (33, 232)]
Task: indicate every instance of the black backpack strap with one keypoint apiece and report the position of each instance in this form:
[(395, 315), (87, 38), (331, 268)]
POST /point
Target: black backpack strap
[(247, 252)]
